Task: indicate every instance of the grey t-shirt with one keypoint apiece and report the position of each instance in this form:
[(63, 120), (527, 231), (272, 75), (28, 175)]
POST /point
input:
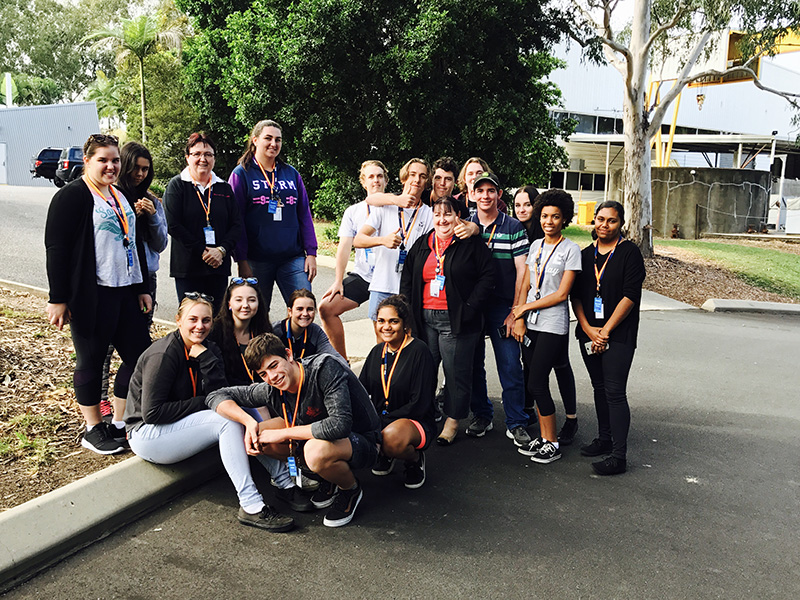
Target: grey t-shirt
[(566, 257)]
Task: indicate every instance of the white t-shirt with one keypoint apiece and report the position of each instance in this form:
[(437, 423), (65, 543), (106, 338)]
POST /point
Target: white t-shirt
[(353, 219), (566, 257), (111, 256), (385, 220)]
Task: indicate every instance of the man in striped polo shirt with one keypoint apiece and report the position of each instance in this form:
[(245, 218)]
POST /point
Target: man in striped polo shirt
[(508, 241)]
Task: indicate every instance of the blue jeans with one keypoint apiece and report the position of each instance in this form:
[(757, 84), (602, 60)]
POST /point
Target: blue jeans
[(509, 369), (289, 274), (168, 443)]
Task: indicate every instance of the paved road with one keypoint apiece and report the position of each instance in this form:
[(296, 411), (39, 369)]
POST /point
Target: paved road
[(23, 211), (709, 508)]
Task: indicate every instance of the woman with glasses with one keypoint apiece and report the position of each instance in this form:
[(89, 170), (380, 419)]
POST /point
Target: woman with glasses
[(278, 243), (298, 332), (98, 284), (203, 221), (166, 414)]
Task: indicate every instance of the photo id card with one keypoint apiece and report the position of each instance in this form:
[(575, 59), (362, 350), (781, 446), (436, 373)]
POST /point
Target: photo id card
[(278, 214), (598, 308), (272, 206), (211, 238), (292, 466)]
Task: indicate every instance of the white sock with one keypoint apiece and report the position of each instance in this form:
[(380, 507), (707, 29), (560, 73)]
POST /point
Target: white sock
[(254, 509), (118, 424), (90, 427)]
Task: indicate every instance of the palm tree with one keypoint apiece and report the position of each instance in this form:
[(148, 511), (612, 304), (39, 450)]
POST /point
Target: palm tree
[(105, 93), (138, 38)]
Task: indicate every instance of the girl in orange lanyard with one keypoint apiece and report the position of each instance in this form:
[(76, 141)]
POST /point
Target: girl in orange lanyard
[(298, 332), (542, 321), (98, 284), (606, 300), (400, 379)]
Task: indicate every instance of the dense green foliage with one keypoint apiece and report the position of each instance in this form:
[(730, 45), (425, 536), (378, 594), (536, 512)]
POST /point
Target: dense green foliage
[(356, 79)]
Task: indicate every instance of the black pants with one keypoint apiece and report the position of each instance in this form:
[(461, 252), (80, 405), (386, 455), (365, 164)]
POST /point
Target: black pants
[(120, 323), (545, 352), (210, 285), (608, 372), (565, 379)]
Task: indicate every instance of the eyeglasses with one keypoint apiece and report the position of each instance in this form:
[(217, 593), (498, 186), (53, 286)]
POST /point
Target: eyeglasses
[(242, 281), (201, 154), (101, 138), (196, 295)]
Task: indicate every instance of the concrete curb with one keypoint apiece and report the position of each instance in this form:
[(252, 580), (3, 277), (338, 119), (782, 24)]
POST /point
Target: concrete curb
[(43, 531), (750, 306)]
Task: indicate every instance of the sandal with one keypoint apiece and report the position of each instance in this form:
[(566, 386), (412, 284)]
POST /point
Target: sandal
[(448, 435)]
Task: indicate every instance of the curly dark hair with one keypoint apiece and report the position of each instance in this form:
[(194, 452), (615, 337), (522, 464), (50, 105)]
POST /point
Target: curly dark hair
[(223, 328), (558, 198), (400, 305)]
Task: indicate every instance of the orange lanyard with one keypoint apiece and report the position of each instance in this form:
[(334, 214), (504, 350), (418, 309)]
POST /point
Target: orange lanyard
[(206, 207), (489, 241), (539, 275), (289, 338), (439, 255), (598, 275), (118, 209), (244, 362), (386, 382), (403, 229), (192, 376), (296, 406), (270, 183)]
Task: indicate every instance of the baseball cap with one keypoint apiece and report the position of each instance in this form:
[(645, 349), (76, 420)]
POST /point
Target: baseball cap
[(486, 176)]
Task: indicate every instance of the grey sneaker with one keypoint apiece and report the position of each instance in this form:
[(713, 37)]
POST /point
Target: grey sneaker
[(519, 435), (269, 519), (479, 426)]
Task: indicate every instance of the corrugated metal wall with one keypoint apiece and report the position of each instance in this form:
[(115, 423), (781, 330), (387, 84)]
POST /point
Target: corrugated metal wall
[(28, 129)]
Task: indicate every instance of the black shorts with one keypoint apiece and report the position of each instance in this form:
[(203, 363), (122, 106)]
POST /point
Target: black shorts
[(355, 288)]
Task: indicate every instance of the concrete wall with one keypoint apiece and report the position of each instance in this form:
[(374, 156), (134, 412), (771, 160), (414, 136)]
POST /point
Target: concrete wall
[(28, 129), (704, 200)]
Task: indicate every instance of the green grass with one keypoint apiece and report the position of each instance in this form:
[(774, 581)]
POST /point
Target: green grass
[(28, 439), (770, 270), (579, 235)]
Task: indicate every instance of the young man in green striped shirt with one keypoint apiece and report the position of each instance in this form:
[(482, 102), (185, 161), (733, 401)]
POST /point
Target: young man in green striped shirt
[(508, 241)]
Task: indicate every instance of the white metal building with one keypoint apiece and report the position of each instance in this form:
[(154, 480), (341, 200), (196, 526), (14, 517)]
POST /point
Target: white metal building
[(24, 130)]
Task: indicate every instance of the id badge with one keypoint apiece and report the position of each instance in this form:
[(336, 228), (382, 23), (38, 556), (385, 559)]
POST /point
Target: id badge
[(292, 466), (370, 256), (129, 256), (533, 317), (434, 289), (272, 206), (401, 259), (211, 239), (278, 214), (598, 308)]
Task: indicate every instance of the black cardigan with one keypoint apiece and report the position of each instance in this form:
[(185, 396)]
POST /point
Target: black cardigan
[(186, 220), (71, 264), (469, 281)]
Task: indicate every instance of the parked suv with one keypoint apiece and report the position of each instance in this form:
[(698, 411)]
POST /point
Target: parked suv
[(45, 163), (70, 165)]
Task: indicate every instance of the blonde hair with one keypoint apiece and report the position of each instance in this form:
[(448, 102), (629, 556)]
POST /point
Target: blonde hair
[(462, 183), (404, 169), (372, 163), (188, 303)]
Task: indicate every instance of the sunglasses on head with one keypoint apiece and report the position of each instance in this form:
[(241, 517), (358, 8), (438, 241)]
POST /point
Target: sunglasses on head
[(243, 280), (196, 295), (101, 138)]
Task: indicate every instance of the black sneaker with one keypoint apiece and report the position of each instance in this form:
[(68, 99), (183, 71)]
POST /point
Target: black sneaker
[(533, 418), (383, 466), (598, 447), (415, 472), (568, 431), (269, 519), (324, 495), (519, 436), (547, 453), (479, 426), (295, 498), (99, 440), (531, 448), (610, 466), (119, 434), (344, 507)]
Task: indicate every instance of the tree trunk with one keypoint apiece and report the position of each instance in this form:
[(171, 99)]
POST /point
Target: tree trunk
[(141, 80), (636, 172)]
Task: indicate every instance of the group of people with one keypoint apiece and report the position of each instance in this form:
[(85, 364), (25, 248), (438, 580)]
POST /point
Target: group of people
[(441, 270)]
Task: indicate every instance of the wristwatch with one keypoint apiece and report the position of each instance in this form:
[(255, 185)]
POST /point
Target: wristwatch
[(222, 249)]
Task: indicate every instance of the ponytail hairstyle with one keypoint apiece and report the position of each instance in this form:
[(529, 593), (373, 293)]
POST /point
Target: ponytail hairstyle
[(250, 147)]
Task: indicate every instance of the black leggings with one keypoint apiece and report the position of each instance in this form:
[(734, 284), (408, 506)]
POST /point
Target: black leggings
[(119, 322), (545, 352), (609, 374), (565, 379)]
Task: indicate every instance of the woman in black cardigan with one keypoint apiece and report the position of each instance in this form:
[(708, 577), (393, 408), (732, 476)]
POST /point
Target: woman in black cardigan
[(606, 298), (446, 279), (204, 223), (98, 276)]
